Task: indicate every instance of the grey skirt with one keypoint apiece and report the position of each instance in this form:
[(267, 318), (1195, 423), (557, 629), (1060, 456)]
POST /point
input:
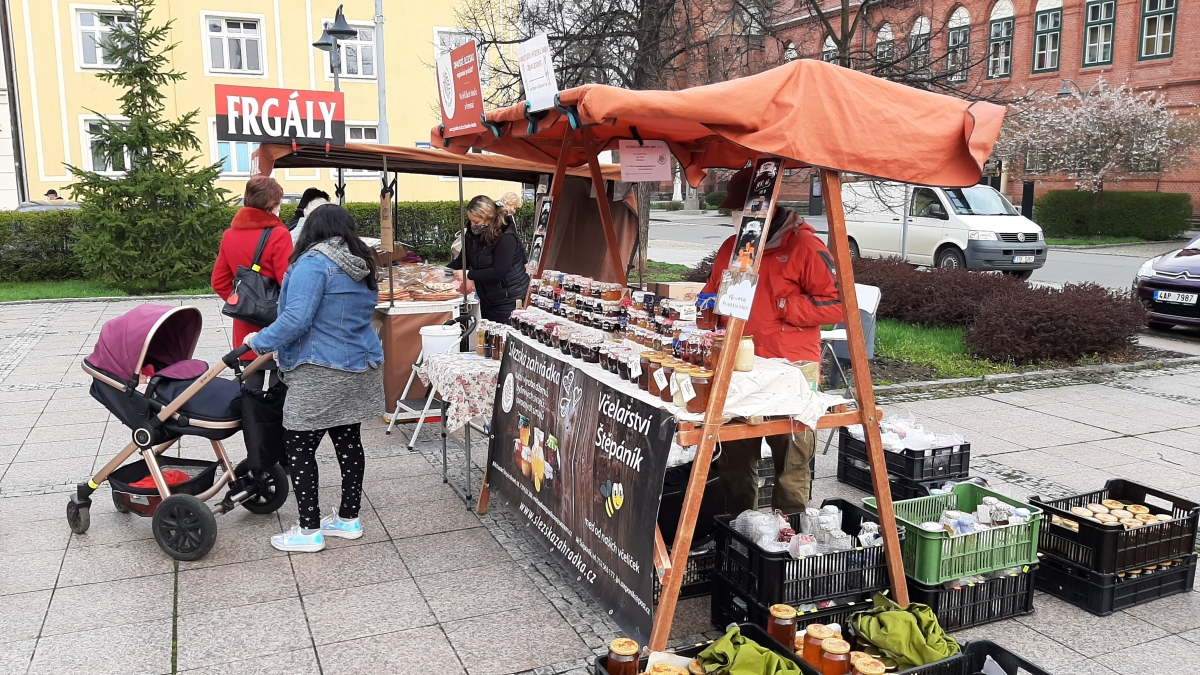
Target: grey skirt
[(320, 397)]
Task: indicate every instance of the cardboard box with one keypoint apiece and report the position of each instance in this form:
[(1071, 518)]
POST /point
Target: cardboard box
[(677, 290)]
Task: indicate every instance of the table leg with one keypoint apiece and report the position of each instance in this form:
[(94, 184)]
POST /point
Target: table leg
[(444, 479), (467, 433)]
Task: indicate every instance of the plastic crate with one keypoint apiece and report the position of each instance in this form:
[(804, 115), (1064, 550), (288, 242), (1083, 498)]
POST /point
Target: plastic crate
[(749, 630), (696, 577), (978, 603), (771, 578), (851, 474), (144, 501), (915, 465), (936, 557), (1109, 550), (976, 653), (1103, 594)]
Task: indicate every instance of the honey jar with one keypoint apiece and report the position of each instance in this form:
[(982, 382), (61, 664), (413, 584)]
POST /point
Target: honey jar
[(868, 666), (702, 385), (835, 657), (623, 657), (814, 635), (782, 624)]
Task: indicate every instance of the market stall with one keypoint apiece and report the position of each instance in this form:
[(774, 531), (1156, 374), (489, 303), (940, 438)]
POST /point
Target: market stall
[(803, 114), (412, 297)]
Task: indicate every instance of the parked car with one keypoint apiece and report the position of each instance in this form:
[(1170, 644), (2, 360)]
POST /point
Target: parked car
[(1169, 286), (974, 228), (48, 205)]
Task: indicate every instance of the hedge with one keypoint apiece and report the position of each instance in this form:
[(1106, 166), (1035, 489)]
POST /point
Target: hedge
[(39, 245), (1149, 215)]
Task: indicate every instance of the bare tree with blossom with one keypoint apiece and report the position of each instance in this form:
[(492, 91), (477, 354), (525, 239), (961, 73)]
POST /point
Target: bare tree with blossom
[(1098, 136)]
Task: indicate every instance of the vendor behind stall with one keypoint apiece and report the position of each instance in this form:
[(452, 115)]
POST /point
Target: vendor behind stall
[(495, 257), (797, 294)]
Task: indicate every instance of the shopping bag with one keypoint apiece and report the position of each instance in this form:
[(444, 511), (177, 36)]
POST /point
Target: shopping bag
[(262, 425)]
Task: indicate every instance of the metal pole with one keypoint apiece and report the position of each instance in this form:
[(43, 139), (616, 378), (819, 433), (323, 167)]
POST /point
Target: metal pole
[(381, 73), (905, 212), (462, 251), (335, 63)]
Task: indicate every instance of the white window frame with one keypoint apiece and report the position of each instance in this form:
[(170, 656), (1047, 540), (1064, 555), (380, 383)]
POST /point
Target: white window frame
[(1094, 32), (360, 174), (206, 43), (77, 29), (215, 152), (1158, 16), (85, 142), (342, 45), (481, 59), (829, 50), (919, 43), (1047, 42), (790, 52)]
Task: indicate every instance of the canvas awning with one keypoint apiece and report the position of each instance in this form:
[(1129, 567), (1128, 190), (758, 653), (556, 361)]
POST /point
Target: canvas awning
[(811, 112), (411, 160)]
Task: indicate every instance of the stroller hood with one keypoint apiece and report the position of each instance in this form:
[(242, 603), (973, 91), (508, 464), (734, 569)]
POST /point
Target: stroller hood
[(155, 335)]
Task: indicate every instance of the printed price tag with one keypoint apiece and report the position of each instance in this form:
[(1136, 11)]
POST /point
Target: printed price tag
[(635, 368), (660, 379), (674, 384), (685, 386)]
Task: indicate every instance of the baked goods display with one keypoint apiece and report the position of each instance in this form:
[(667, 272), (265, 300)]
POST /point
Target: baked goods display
[(418, 282), (1113, 513)]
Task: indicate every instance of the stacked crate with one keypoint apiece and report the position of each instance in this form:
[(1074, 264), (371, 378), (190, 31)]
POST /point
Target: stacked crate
[(1105, 568), (907, 469)]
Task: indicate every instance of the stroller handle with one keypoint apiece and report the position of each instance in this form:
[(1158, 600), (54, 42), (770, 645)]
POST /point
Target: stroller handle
[(231, 359)]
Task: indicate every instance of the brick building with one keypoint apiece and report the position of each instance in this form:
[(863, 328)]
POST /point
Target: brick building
[(1008, 47)]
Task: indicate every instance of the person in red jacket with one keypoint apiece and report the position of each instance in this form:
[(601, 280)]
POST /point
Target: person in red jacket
[(261, 211), (797, 294)]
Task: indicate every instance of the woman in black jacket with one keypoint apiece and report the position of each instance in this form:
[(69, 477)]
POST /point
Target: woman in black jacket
[(495, 257)]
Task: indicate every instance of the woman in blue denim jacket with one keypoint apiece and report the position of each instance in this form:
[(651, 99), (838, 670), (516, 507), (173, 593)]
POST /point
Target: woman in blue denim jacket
[(331, 361)]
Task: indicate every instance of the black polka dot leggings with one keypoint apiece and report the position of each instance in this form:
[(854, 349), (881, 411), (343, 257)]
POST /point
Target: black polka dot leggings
[(302, 453)]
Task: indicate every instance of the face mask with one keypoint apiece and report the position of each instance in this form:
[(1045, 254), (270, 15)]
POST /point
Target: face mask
[(477, 229)]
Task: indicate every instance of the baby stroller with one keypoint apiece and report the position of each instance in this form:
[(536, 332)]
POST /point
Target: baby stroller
[(182, 396)]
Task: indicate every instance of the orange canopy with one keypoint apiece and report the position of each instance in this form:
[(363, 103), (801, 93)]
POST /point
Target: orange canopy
[(811, 112), (411, 160)]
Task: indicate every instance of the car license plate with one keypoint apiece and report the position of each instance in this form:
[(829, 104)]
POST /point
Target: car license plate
[(1018, 259), (1175, 297)]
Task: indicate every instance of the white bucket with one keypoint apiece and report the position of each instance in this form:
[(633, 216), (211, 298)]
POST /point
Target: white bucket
[(441, 339)]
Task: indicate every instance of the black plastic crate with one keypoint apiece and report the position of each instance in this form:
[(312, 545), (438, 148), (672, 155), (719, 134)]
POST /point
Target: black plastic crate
[(696, 578), (977, 603), (1108, 550), (749, 630), (858, 477), (729, 606), (771, 578), (1103, 594), (914, 465), (977, 651)]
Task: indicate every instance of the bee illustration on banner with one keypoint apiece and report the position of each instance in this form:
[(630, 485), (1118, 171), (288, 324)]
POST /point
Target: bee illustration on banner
[(614, 497)]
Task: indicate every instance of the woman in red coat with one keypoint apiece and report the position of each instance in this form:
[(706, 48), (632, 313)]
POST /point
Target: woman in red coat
[(261, 211)]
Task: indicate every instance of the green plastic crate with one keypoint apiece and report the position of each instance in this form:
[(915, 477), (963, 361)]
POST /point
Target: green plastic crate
[(937, 557)]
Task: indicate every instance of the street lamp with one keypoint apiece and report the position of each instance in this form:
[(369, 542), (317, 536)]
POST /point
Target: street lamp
[(328, 42), (1079, 92)]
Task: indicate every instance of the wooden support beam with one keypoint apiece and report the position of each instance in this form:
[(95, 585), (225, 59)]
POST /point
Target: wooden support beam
[(602, 201), (662, 558), (689, 433), (831, 188)]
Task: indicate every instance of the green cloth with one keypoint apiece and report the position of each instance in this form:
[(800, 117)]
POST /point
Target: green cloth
[(738, 655), (906, 636)]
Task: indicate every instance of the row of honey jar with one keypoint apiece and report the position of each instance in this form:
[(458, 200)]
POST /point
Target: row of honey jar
[(821, 646)]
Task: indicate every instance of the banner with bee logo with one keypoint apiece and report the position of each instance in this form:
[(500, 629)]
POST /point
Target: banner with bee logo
[(583, 464)]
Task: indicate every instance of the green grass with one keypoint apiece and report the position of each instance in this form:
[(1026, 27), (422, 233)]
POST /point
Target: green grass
[(661, 272), (79, 288), (940, 348), (1093, 241)]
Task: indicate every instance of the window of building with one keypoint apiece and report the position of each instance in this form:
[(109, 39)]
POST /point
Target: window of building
[(95, 30), (234, 45), (885, 45), (1000, 40), (918, 44), (446, 39), (235, 157), (790, 52), (829, 51), (358, 53), (1099, 19), (1047, 35), (98, 160), (358, 132), (1158, 28), (958, 46)]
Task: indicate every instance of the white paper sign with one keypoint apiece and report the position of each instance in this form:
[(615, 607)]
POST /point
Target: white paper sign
[(537, 72), (738, 298), (646, 161)]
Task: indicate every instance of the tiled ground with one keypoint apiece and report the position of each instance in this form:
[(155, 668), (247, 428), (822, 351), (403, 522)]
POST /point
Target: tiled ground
[(432, 588)]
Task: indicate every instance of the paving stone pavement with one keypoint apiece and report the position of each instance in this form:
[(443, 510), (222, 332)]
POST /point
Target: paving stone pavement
[(433, 588)]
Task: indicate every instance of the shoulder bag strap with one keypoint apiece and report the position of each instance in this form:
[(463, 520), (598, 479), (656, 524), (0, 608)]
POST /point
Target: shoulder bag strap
[(262, 244)]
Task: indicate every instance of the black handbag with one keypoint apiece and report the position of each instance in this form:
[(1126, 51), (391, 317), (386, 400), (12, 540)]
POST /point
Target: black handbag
[(262, 424), (255, 297)]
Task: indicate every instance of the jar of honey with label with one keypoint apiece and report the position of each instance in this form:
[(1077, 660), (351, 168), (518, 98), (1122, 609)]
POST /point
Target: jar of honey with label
[(835, 657), (781, 625), (814, 635)]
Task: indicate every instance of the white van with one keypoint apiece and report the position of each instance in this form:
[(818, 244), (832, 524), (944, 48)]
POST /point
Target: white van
[(974, 227)]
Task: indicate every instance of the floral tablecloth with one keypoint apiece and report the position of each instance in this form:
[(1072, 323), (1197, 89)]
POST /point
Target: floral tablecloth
[(465, 381)]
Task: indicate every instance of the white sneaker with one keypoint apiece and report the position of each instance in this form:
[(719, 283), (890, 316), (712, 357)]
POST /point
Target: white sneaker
[(334, 525), (294, 540)]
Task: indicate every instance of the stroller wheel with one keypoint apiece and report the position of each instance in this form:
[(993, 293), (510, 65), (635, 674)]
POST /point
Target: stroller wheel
[(184, 527), (270, 487), (78, 517)]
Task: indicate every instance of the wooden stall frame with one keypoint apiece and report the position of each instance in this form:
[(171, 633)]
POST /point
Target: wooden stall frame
[(714, 429)]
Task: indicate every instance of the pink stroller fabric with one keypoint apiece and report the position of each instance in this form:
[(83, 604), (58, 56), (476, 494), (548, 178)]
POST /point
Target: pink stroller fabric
[(155, 334)]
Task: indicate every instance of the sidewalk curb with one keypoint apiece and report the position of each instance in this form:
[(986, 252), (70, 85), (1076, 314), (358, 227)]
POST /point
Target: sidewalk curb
[(109, 298), (1034, 375), (1084, 247)]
